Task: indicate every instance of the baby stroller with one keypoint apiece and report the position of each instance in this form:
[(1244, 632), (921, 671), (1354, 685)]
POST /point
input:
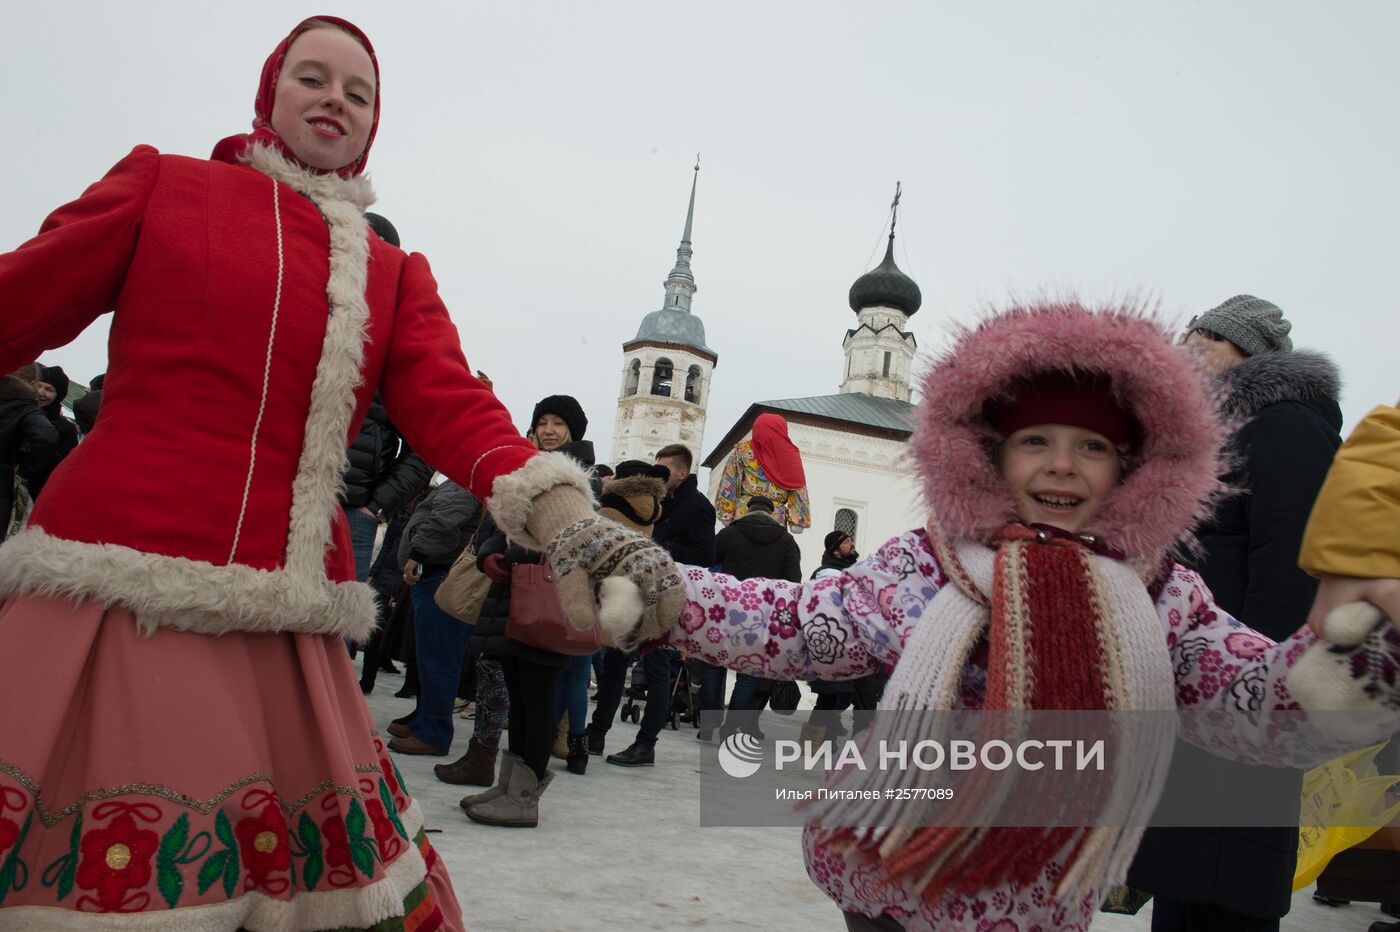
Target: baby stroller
[(683, 694)]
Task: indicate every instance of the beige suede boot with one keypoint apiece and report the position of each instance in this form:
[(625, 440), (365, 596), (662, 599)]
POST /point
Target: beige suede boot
[(519, 806), (508, 762)]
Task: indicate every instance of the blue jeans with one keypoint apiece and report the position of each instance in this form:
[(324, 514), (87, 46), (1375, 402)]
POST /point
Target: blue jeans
[(441, 642), (571, 693), (363, 529)]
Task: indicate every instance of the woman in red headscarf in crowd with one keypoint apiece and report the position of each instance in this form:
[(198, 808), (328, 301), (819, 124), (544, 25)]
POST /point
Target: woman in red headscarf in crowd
[(183, 738), (767, 464)]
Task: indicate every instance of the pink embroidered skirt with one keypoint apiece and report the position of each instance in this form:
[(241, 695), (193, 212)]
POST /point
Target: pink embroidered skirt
[(197, 782)]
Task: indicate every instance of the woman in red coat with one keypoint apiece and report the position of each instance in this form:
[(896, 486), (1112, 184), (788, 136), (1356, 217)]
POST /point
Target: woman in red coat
[(182, 730)]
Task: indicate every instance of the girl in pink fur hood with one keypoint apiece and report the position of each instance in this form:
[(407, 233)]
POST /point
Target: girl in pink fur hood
[(1064, 453)]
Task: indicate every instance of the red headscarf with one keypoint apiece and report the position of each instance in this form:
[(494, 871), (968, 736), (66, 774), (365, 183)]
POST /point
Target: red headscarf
[(779, 457), (229, 149)]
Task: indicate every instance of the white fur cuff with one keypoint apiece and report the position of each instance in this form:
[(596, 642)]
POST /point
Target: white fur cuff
[(182, 594), (513, 496)]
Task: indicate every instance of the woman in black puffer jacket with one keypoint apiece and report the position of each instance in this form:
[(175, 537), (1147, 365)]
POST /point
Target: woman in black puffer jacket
[(531, 674)]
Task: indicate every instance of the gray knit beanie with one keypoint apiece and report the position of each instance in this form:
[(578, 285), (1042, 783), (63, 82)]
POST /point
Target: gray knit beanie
[(1253, 324)]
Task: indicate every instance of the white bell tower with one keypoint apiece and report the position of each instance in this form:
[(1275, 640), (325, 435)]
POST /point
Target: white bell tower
[(666, 369), (880, 350)]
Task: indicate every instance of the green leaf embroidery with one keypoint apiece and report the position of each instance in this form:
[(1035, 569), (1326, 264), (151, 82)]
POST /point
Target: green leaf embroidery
[(362, 853), (168, 879), (70, 870), (388, 800), (11, 877), (231, 875), (224, 830), (311, 873), (355, 821), (309, 834), (212, 870), (310, 837)]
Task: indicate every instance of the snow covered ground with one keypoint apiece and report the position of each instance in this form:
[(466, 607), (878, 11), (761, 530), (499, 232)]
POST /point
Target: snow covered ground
[(622, 848)]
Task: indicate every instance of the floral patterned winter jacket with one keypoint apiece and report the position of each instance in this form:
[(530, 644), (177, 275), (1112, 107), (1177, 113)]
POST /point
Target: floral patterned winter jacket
[(845, 626)]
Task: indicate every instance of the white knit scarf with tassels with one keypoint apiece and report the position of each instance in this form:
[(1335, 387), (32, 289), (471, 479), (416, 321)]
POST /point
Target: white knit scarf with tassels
[(927, 680)]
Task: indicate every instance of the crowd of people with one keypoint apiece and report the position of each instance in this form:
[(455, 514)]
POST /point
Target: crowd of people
[(1113, 517)]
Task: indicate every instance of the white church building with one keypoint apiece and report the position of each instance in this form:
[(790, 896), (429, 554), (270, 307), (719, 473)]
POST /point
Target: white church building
[(852, 442)]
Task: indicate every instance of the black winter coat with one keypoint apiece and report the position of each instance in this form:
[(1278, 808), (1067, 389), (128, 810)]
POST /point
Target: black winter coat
[(441, 527), (490, 634), (687, 525), (386, 572), (67, 431), (382, 472), (758, 546), (1291, 423), (28, 443)]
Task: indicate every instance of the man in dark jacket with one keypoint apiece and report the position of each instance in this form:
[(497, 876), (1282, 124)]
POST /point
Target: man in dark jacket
[(437, 533), (85, 409), (755, 546), (1240, 879), (758, 546), (687, 525), (28, 443), (687, 531)]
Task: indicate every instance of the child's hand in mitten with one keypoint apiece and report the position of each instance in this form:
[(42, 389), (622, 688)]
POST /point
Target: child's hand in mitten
[(639, 589), (1336, 596)]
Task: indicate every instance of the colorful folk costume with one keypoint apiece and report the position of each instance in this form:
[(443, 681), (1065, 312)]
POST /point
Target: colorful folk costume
[(976, 611), (183, 743), (767, 464)]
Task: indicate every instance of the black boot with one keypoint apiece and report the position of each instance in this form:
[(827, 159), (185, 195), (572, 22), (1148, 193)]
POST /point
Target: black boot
[(577, 759), (410, 683), (594, 739), (637, 755)]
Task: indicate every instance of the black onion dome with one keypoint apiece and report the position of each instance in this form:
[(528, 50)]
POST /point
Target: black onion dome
[(886, 285)]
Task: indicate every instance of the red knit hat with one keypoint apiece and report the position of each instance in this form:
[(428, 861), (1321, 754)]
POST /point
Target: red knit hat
[(1078, 399)]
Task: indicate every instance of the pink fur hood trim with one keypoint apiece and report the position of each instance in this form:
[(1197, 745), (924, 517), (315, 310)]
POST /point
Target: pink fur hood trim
[(1176, 479)]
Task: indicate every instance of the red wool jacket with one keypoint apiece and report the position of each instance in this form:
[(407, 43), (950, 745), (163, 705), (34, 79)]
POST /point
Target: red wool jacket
[(254, 316)]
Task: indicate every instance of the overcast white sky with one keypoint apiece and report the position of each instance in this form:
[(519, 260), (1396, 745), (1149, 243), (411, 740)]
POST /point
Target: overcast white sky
[(539, 154)]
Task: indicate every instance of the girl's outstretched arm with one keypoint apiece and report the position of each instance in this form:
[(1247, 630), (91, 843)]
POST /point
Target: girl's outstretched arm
[(838, 627), (1238, 688)]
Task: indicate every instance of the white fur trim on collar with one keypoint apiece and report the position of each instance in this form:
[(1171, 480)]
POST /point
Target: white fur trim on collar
[(318, 186)]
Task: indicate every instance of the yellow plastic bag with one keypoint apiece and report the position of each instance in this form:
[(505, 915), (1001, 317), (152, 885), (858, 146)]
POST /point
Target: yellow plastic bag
[(1343, 805)]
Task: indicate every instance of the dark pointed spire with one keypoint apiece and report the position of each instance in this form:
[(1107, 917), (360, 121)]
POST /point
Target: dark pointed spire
[(680, 272)]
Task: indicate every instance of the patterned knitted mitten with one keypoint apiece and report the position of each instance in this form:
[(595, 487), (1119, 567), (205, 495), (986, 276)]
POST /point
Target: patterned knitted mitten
[(1357, 669), (547, 505), (640, 596)]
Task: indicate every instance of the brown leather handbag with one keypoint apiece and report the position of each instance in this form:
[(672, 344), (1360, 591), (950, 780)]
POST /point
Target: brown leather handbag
[(537, 618), (464, 590)]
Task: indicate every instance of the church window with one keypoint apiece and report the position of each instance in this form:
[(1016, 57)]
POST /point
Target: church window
[(692, 385), (846, 522), (661, 378), (634, 376), (886, 371)]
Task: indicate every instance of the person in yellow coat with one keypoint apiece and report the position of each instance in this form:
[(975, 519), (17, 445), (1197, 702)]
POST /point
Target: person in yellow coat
[(1352, 544)]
